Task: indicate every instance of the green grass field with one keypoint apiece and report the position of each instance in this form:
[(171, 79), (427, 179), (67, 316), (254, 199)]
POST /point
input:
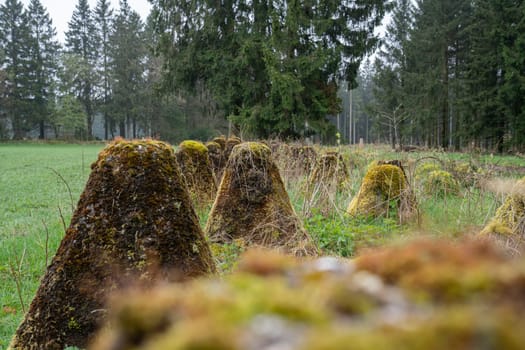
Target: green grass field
[(40, 185)]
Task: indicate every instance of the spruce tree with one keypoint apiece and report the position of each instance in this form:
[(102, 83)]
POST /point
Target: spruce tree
[(81, 40), (435, 47), (392, 107), (128, 51), (491, 32), (273, 67), (14, 42), (44, 50), (513, 89), (103, 19)]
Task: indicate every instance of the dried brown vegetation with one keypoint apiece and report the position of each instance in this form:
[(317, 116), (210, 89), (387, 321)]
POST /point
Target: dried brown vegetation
[(216, 154), (329, 176)]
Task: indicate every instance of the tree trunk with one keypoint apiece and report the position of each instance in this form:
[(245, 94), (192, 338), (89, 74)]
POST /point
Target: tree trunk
[(444, 107), (122, 129), (42, 127)]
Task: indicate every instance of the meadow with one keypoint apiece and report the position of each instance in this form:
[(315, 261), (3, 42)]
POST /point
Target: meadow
[(40, 185)]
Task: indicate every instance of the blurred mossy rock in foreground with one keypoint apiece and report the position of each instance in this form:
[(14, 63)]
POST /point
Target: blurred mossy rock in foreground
[(134, 223), (194, 161), (427, 294), (329, 176), (253, 205), (508, 224), (384, 189)]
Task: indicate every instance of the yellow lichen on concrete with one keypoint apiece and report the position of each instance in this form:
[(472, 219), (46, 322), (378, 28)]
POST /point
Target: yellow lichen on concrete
[(252, 204), (193, 147)]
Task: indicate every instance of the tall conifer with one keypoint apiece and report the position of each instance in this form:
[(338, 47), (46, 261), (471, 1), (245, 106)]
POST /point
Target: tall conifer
[(44, 50), (81, 39), (14, 42)]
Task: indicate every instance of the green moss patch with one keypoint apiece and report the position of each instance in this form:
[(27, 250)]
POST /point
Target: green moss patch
[(384, 190)]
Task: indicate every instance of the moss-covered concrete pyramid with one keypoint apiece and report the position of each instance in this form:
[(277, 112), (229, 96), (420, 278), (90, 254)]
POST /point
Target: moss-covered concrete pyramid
[(329, 176), (197, 171), (253, 205), (134, 221), (507, 226), (384, 188), (217, 161), (510, 216)]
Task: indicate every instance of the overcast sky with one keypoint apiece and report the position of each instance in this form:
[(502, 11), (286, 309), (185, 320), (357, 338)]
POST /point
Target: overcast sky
[(61, 11)]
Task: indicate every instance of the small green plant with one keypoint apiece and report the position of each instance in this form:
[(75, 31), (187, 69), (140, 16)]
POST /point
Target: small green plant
[(344, 236), (227, 255)]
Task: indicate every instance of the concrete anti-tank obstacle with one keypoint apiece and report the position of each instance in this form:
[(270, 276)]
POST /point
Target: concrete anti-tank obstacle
[(133, 222), (253, 205), (385, 183), (329, 176), (196, 168)]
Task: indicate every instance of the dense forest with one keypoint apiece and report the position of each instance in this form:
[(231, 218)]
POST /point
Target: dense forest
[(447, 74)]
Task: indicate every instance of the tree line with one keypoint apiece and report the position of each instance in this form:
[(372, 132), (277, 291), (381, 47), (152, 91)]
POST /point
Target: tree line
[(106, 68), (269, 67), (450, 74)]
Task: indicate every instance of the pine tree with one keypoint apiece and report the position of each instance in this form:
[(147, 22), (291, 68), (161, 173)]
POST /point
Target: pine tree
[(103, 19), (128, 51), (513, 90), (492, 30), (81, 39), (273, 67), (391, 106), (14, 40), (44, 50)]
